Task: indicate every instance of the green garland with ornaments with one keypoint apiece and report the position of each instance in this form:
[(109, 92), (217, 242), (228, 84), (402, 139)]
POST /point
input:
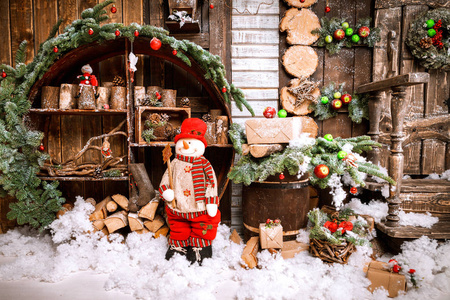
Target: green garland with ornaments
[(336, 33), (20, 156), (429, 39), (334, 97)]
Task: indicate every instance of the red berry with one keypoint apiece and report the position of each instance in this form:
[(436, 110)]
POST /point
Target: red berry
[(91, 31), (158, 96), (155, 44), (4, 74), (41, 147), (321, 171), (55, 49), (396, 268), (269, 112), (411, 271), (136, 33), (268, 221), (281, 176), (224, 90), (113, 9), (277, 221), (327, 9), (174, 52), (353, 190), (117, 33), (393, 261), (211, 6)]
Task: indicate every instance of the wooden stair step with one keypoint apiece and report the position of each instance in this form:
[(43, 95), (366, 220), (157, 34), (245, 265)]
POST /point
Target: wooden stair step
[(440, 230)]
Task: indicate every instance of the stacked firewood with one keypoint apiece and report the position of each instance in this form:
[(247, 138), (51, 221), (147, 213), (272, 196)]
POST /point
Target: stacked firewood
[(113, 214)]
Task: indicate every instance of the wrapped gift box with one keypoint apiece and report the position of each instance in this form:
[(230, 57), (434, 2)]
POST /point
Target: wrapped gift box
[(380, 276), (279, 130), (291, 248), (271, 237)]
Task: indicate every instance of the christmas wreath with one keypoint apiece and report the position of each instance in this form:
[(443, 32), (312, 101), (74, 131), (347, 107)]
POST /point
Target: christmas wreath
[(20, 153), (333, 98), (429, 39), (336, 33)]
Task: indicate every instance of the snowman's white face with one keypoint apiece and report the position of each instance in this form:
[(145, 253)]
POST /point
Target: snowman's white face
[(190, 147)]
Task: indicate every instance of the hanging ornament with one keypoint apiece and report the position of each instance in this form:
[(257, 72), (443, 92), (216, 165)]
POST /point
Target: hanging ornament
[(91, 31), (321, 171), (281, 176), (353, 190), (211, 6), (106, 149), (113, 9), (174, 52), (224, 90), (117, 33), (327, 7), (155, 44), (55, 49), (136, 33), (41, 148), (4, 74)]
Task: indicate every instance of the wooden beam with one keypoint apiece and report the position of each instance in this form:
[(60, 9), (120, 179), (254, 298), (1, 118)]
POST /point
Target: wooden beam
[(201, 39), (5, 37), (396, 3), (400, 80)]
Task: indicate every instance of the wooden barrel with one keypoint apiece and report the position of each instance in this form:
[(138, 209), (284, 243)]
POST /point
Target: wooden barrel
[(287, 200)]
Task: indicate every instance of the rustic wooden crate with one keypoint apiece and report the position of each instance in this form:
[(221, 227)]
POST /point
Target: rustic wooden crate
[(177, 116)]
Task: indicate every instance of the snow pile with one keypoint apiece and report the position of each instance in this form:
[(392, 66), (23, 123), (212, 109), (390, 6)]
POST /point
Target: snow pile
[(443, 176), (137, 266), (379, 210)]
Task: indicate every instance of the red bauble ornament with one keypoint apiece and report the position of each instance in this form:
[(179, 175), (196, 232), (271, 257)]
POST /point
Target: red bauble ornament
[(353, 190), (41, 147), (281, 176), (4, 74), (321, 171), (155, 44), (327, 9), (55, 49), (91, 31), (224, 90), (269, 112), (136, 33), (117, 33), (211, 6), (174, 52), (158, 96), (302, 1), (113, 9)]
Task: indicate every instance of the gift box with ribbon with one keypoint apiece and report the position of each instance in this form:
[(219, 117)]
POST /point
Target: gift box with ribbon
[(381, 275), (271, 234)]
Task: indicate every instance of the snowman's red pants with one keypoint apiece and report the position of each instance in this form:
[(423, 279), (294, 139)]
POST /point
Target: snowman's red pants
[(196, 229)]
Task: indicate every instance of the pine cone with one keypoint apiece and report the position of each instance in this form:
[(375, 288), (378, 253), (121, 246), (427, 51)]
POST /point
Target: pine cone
[(426, 43), (164, 117), (98, 173), (155, 118), (207, 118), (185, 102), (147, 101), (119, 81)]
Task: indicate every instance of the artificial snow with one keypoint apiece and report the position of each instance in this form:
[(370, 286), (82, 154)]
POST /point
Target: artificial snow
[(137, 266), (443, 176)]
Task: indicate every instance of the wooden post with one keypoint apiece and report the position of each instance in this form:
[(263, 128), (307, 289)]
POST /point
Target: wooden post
[(222, 129), (374, 119), (50, 97), (67, 95), (103, 97), (118, 97), (87, 97), (399, 107), (169, 98)]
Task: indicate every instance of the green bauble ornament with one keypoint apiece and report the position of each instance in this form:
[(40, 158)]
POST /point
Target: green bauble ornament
[(328, 39), (341, 154), (355, 38), (324, 100), (328, 137), (349, 31), (282, 113), (337, 95), (431, 32), (345, 25), (430, 23)]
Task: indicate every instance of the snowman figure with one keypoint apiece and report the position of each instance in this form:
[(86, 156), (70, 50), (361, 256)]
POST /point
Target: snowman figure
[(194, 219)]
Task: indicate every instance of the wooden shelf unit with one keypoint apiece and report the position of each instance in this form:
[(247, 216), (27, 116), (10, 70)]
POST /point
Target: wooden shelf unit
[(45, 111), (73, 178)]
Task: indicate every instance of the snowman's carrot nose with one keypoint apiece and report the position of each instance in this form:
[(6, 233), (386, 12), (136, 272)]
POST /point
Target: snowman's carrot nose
[(185, 145)]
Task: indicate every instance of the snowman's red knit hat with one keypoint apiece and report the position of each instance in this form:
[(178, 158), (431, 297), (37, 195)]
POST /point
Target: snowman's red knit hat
[(193, 128)]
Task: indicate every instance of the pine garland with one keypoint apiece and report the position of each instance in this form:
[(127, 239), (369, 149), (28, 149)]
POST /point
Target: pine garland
[(434, 56), (20, 160), (358, 108), (329, 26)]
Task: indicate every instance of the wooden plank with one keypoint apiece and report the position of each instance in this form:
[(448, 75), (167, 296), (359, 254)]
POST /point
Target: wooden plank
[(117, 17), (92, 126), (85, 4), (258, 107), (5, 38), (400, 80), (363, 74), (269, 37), (252, 6), (410, 13), (156, 64), (260, 94), (45, 16), (433, 156), (68, 11), (254, 51), (201, 39), (266, 79), (217, 30), (133, 13), (54, 137), (21, 18), (258, 22), (396, 3), (254, 64)]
